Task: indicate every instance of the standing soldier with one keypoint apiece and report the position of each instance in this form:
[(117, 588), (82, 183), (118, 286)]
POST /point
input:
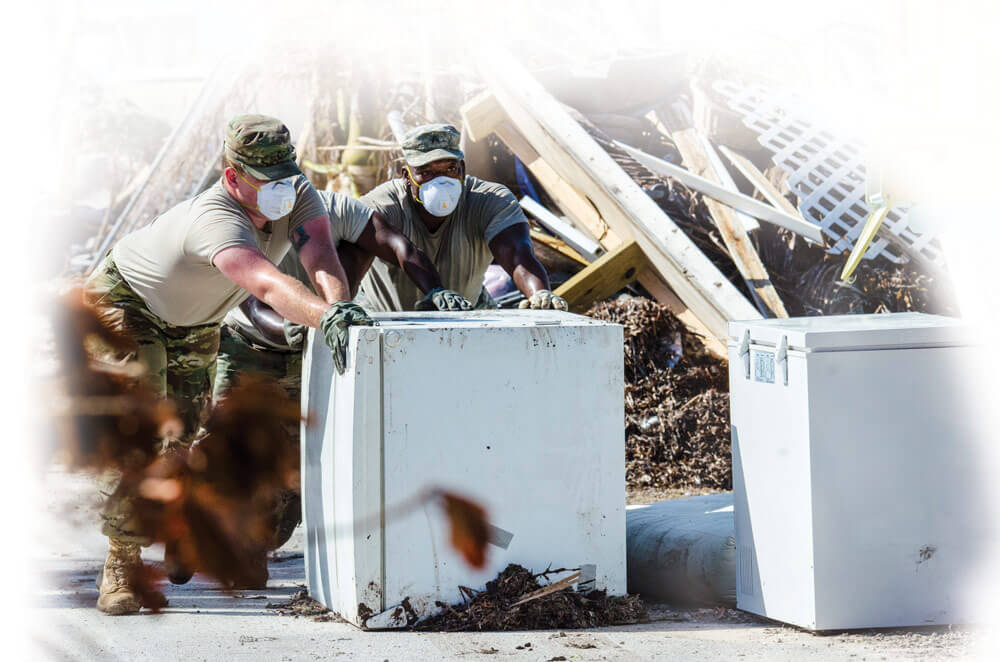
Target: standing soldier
[(169, 285)]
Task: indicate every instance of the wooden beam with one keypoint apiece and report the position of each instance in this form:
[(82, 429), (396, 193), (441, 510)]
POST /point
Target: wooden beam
[(559, 246), (580, 242), (741, 249), (760, 182), (578, 159), (728, 194), (484, 115), (605, 276), (481, 115)]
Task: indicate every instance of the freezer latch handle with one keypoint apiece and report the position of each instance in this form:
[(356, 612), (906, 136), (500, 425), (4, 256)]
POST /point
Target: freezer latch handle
[(744, 352), (781, 356)]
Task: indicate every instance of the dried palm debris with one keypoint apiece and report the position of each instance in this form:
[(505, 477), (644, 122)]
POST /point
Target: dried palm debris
[(104, 417), (677, 430), (494, 608), (808, 281)]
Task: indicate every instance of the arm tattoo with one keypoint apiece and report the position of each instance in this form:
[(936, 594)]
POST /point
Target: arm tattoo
[(299, 237)]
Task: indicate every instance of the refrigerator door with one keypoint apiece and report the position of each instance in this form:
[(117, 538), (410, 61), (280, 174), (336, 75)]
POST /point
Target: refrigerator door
[(518, 411), (846, 332), (341, 482), (521, 413)]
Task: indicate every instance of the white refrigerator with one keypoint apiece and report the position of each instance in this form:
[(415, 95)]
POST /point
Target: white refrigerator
[(520, 411), (857, 475)]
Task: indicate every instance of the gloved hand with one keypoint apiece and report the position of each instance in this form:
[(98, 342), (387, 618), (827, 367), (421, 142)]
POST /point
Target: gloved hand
[(334, 324), (544, 300), (295, 334), (442, 299)]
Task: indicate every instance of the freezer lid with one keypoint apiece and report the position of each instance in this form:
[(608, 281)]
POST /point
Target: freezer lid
[(840, 332), (482, 318)]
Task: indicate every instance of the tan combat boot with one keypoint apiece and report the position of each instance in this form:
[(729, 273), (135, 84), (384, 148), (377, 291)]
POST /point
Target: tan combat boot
[(116, 596)]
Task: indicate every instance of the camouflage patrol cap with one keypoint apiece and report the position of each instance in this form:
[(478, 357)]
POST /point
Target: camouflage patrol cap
[(262, 146), (431, 142)]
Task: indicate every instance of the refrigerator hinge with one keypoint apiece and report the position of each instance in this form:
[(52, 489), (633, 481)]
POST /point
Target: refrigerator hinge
[(744, 352), (781, 356)]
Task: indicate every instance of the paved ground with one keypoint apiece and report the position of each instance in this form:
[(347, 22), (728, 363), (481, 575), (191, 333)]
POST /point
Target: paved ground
[(203, 623)]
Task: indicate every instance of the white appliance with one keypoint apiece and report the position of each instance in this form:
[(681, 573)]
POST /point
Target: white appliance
[(520, 411), (856, 470)]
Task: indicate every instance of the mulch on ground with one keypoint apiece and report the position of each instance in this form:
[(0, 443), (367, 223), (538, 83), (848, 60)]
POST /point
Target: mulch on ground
[(676, 400), (494, 610)]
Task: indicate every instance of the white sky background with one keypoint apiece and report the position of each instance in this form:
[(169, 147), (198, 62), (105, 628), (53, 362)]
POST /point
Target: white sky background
[(919, 80)]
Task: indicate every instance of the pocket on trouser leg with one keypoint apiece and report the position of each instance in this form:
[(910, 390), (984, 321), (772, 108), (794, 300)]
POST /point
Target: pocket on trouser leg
[(119, 519)]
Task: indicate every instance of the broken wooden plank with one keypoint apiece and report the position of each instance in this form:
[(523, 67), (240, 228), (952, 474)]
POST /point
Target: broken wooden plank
[(579, 160), (477, 117), (580, 242), (554, 587), (760, 182), (559, 246), (483, 115), (734, 199), (610, 273), (741, 250), (727, 182)]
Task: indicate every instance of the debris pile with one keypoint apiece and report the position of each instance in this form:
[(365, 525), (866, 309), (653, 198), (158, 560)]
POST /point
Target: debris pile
[(676, 400), (300, 604), (494, 609)]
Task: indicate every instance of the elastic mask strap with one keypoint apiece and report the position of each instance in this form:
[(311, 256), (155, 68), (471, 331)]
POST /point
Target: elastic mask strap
[(409, 175), (251, 184)]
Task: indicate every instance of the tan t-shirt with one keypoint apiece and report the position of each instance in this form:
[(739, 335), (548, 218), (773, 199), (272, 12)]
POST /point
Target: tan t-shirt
[(169, 262), (459, 248), (348, 219)]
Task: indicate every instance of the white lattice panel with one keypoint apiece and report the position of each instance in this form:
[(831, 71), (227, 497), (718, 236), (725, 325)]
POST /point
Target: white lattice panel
[(828, 175)]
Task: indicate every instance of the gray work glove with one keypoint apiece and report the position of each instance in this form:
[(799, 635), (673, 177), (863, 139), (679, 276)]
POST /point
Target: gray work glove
[(442, 299), (544, 300), (295, 334), (335, 324)]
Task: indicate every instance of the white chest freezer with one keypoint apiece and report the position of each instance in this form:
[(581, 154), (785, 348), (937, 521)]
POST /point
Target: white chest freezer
[(520, 411), (856, 476)]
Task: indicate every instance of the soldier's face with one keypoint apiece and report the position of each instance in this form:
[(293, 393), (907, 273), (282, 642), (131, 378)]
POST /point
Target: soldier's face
[(243, 185), (441, 168)]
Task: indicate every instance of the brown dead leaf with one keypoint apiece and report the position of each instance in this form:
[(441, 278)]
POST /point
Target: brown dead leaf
[(469, 528)]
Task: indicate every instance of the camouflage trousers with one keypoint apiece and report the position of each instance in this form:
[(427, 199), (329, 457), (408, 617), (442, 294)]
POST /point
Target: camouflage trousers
[(179, 363), (239, 356)]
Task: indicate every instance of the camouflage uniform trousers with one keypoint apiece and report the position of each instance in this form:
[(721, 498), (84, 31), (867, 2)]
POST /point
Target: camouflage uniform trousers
[(240, 356), (179, 364)]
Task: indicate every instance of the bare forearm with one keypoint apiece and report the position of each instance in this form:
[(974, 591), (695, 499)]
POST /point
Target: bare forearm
[(330, 281), (269, 323), (418, 267), (356, 263), (293, 301), (528, 273)]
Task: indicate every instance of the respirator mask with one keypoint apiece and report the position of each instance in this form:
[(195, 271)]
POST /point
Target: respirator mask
[(274, 199), (440, 195)]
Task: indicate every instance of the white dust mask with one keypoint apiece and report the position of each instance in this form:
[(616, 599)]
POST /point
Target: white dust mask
[(440, 195), (275, 199)]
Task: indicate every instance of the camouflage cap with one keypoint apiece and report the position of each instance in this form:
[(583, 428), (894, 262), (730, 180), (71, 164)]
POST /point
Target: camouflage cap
[(431, 142), (262, 146)]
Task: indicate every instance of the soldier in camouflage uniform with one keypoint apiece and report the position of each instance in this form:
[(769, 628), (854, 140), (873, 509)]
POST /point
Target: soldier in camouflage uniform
[(463, 223), (169, 284), (256, 340)]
